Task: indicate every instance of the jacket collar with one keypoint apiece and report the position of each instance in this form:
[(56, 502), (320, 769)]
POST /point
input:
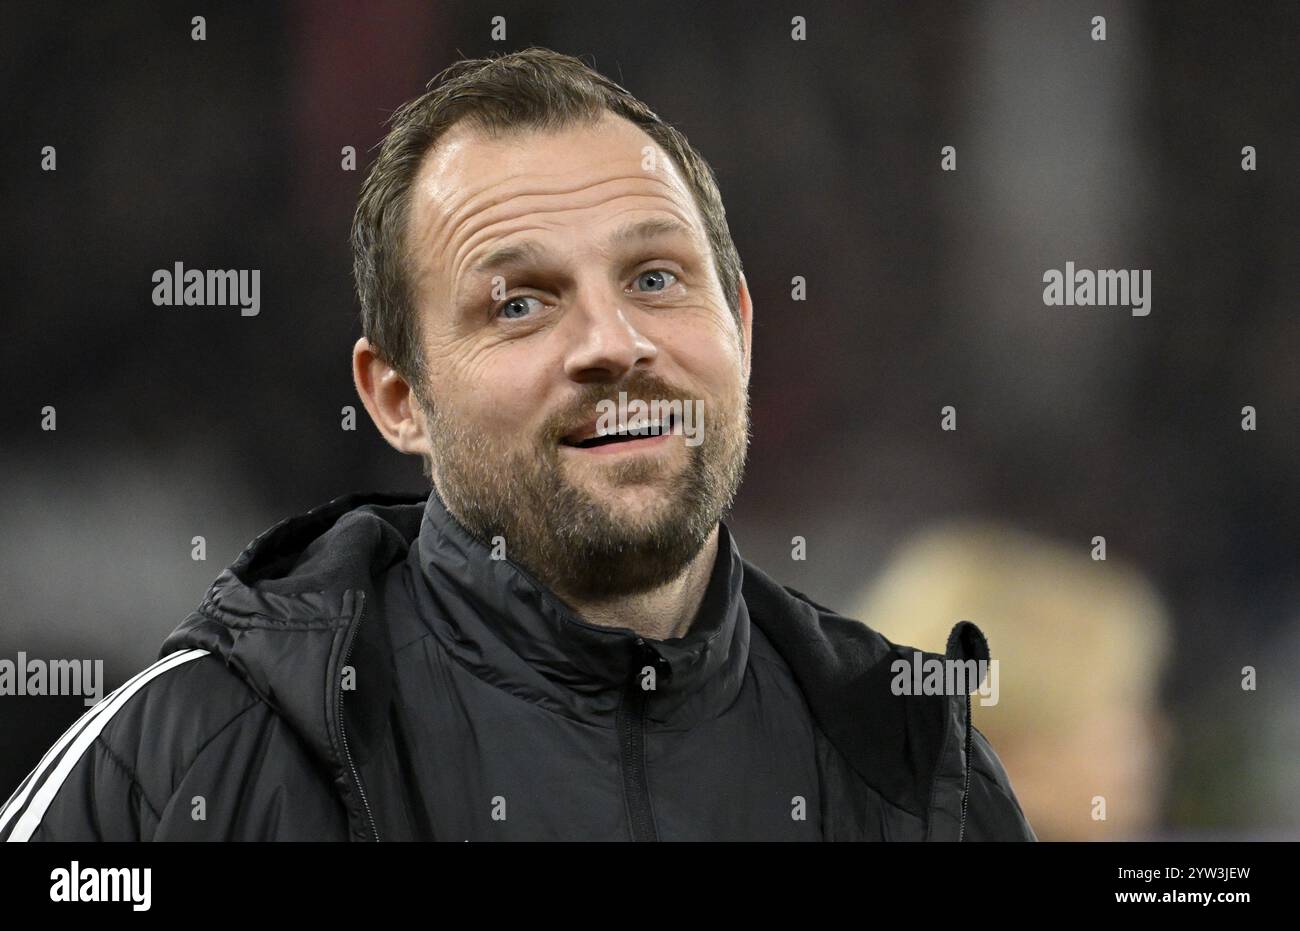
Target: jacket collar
[(495, 619)]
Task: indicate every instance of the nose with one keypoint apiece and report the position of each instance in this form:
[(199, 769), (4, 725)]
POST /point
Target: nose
[(606, 343)]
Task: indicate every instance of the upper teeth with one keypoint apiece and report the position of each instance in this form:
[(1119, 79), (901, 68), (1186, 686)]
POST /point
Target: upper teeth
[(635, 428)]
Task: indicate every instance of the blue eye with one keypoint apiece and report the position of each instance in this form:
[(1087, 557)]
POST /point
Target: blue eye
[(516, 307), (658, 279)]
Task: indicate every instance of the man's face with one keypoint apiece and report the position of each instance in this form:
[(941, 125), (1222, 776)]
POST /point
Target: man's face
[(553, 271)]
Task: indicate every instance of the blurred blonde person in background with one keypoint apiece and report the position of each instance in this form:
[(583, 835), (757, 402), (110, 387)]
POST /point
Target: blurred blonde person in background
[(1080, 646)]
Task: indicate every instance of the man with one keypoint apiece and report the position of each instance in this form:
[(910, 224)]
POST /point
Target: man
[(561, 640)]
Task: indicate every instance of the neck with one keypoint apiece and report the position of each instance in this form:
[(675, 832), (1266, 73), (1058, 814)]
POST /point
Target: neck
[(660, 613)]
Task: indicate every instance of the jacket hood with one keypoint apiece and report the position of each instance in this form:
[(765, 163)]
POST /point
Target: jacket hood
[(286, 614), (282, 616)]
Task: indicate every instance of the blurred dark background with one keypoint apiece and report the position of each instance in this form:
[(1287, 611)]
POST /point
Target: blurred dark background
[(924, 290)]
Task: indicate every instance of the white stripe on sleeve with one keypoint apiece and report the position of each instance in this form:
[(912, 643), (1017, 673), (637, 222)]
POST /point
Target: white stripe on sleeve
[(81, 734)]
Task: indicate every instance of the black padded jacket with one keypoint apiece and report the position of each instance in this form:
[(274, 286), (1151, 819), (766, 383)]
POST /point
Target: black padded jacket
[(270, 713)]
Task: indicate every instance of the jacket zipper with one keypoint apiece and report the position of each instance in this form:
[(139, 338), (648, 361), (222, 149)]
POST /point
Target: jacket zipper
[(343, 733), (631, 733), (965, 791)]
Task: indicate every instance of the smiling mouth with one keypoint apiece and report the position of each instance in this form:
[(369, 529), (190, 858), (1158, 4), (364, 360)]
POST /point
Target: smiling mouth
[(588, 438)]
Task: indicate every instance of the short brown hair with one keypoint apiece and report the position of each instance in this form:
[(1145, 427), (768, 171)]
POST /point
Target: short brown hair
[(532, 89)]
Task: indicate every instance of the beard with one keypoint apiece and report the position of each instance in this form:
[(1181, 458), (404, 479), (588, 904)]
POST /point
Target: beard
[(570, 537)]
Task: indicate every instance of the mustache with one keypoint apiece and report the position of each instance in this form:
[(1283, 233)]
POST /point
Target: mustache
[(643, 386)]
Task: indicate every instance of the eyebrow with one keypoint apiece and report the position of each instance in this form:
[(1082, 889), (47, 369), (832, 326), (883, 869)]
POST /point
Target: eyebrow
[(530, 250)]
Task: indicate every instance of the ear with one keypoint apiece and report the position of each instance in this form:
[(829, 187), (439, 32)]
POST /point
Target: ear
[(746, 307), (389, 400)]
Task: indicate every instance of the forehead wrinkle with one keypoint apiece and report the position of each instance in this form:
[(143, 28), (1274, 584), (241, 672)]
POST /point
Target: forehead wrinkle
[(457, 150), (458, 214), (680, 224), (480, 230), (515, 203), (498, 193)]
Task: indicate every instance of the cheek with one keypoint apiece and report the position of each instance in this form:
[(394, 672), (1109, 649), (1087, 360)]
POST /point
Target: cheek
[(708, 353), (500, 394)]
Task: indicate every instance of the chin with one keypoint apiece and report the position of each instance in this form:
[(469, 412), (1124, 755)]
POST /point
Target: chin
[(634, 507)]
